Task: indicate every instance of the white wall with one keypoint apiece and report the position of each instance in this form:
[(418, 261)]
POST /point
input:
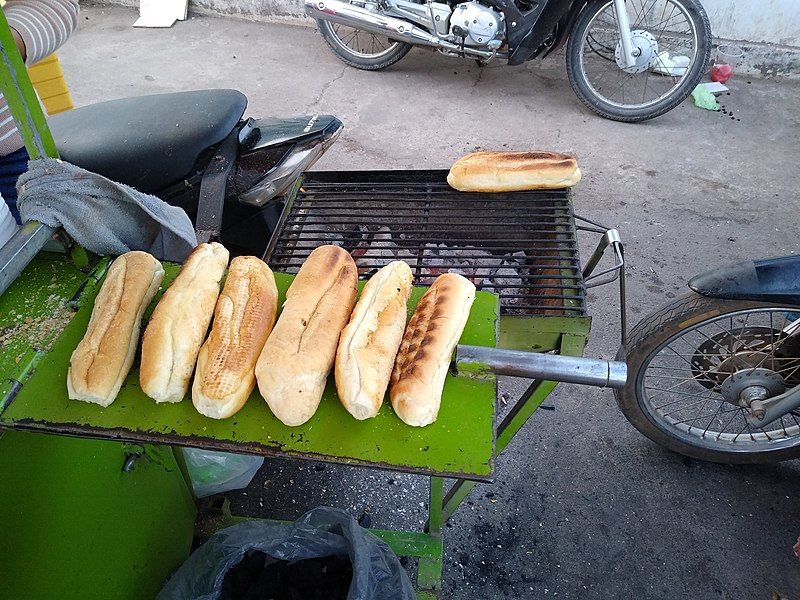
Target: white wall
[(771, 21)]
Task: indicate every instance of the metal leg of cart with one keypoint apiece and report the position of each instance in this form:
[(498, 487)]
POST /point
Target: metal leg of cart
[(571, 345)]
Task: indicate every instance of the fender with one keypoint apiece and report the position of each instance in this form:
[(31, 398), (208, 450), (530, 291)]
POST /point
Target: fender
[(566, 25), (774, 280)]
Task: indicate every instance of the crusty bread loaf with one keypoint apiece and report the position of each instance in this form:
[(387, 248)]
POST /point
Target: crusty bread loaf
[(300, 351), (102, 359), (179, 324), (513, 171), (427, 349), (369, 343), (245, 314)]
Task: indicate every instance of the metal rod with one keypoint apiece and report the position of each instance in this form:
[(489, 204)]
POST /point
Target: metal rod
[(405, 195), (20, 250), (532, 365), (24, 105), (400, 219), (306, 245), (439, 239), (21, 97)]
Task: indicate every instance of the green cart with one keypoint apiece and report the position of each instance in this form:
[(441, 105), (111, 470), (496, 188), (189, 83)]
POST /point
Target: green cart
[(97, 500)]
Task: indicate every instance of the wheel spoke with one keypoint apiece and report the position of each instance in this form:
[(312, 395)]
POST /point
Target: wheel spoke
[(684, 407), (680, 389), (673, 32), (361, 43), (736, 413)]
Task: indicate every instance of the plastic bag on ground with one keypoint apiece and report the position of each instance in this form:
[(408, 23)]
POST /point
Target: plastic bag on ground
[(321, 532), (217, 472), (704, 99)]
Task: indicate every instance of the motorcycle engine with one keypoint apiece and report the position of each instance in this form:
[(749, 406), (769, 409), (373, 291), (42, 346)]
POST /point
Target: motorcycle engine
[(479, 25)]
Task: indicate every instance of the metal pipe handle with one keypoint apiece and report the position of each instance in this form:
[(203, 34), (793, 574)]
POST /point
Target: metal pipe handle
[(553, 367)]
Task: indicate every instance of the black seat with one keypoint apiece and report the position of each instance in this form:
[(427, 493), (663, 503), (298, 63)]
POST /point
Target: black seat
[(147, 142)]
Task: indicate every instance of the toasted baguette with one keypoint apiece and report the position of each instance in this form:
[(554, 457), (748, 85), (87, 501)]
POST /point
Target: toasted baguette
[(513, 171), (179, 324), (369, 343), (427, 348), (300, 351), (103, 358), (245, 314)]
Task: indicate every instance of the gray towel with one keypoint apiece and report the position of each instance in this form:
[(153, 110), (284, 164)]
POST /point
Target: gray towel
[(103, 216)]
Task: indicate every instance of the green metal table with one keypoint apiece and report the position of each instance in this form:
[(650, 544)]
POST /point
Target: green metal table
[(44, 314)]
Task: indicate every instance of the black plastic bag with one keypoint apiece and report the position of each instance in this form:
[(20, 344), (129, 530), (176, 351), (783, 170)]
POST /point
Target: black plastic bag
[(321, 532)]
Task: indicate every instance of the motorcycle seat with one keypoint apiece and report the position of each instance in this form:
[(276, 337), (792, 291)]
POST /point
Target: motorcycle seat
[(147, 142)]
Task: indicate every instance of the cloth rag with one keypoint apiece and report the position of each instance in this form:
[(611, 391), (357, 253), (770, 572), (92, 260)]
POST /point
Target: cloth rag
[(103, 216)]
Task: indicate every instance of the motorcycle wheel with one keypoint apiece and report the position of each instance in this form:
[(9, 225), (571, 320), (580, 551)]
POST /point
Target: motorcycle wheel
[(680, 392), (652, 87), (360, 49)]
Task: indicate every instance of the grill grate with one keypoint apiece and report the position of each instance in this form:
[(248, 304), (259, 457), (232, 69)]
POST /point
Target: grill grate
[(520, 245)]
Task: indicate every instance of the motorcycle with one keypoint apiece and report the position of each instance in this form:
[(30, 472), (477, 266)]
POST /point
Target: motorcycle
[(194, 150), (715, 375), (627, 60)]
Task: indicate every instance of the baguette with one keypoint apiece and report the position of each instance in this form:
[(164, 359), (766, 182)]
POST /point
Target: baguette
[(427, 348), (513, 171), (245, 314), (179, 324), (300, 351), (103, 358), (370, 341)]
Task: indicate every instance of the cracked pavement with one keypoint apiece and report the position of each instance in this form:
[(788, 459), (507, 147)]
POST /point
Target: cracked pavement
[(583, 505)]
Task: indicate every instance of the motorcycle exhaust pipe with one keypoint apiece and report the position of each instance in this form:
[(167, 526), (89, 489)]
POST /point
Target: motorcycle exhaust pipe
[(344, 13), (553, 367)]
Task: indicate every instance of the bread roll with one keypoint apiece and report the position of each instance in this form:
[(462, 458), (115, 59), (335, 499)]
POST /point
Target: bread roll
[(102, 359), (427, 349), (369, 343), (179, 324), (300, 351), (245, 314), (513, 171)]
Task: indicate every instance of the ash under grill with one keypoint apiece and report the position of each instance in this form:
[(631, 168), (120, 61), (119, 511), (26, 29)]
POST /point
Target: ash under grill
[(520, 245)]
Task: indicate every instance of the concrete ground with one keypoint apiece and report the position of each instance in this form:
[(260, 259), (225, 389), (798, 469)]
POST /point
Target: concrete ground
[(583, 505)]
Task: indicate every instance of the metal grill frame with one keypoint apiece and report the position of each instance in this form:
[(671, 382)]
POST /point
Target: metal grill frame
[(485, 231)]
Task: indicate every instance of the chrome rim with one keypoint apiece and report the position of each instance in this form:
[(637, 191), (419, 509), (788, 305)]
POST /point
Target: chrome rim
[(360, 43), (668, 23), (682, 384)]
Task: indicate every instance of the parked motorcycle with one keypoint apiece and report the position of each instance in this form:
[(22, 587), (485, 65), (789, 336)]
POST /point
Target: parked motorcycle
[(627, 60), (194, 150), (715, 375)]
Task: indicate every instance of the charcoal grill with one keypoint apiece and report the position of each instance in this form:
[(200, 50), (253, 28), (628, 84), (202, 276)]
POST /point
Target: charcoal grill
[(522, 245)]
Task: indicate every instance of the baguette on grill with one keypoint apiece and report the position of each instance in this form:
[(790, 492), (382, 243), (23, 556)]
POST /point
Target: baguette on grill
[(103, 358), (427, 349), (245, 314), (513, 171), (179, 324), (300, 351), (370, 341)]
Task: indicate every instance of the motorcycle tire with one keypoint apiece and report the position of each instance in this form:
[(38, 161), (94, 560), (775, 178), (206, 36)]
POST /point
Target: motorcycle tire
[(646, 340), (357, 60), (593, 100)]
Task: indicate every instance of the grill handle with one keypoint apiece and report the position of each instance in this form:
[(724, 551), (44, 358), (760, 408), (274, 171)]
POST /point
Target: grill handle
[(553, 367)]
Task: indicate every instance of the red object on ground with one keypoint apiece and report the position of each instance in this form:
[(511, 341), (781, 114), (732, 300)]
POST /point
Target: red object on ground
[(721, 73)]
